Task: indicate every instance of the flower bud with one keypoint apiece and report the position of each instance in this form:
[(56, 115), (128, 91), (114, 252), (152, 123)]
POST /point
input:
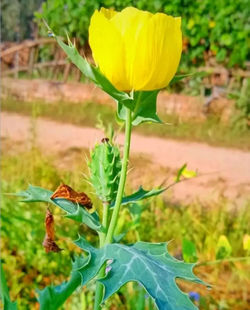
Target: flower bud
[(105, 168)]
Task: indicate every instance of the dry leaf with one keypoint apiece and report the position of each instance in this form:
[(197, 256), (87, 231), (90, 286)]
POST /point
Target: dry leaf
[(49, 240), (66, 192)]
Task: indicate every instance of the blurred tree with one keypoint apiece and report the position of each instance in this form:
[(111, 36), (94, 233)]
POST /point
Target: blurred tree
[(217, 30), (17, 19)]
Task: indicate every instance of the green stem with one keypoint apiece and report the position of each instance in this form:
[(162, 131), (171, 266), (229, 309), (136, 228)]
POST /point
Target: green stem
[(105, 217), (101, 273), (107, 237), (121, 186)]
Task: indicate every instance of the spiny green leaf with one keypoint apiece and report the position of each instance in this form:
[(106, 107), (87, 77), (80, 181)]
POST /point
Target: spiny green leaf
[(53, 297), (35, 194), (73, 210), (140, 195), (4, 292), (150, 264), (143, 104), (94, 74)]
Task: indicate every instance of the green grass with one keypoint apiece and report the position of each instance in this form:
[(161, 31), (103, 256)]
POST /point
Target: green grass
[(28, 267), (86, 114)]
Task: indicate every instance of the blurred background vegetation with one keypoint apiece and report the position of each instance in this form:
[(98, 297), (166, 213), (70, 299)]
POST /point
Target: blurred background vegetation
[(213, 232), (215, 33), (17, 19), (211, 29)]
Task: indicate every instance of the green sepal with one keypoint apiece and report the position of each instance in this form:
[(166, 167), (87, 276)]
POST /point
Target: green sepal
[(139, 195), (150, 264), (53, 297), (4, 292), (143, 109), (73, 210), (105, 169)]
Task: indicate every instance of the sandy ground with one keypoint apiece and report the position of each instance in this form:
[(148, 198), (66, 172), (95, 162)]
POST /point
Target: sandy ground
[(222, 171)]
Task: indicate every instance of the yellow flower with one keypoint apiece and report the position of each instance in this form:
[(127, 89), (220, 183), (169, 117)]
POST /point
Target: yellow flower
[(211, 24), (246, 243), (134, 49)]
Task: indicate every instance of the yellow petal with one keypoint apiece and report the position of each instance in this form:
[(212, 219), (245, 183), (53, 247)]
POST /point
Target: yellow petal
[(130, 20), (108, 13), (129, 23), (158, 52), (108, 49), (134, 49)]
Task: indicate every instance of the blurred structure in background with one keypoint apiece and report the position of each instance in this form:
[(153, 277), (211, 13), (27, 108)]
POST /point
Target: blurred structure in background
[(215, 44)]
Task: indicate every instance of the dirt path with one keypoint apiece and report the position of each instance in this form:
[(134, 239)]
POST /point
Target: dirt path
[(222, 170)]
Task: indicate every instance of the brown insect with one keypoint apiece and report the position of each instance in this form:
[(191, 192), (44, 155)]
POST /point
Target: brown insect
[(49, 240), (66, 192)]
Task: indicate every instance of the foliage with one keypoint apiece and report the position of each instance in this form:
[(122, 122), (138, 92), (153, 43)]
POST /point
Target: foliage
[(124, 268), (246, 243), (141, 104), (93, 73), (223, 248), (141, 194), (159, 269), (26, 264), (53, 297), (114, 264), (4, 292), (210, 28), (242, 118), (137, 109), (73, 211), (129, 263), (21, 241), (16, 19), (189, 251)]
